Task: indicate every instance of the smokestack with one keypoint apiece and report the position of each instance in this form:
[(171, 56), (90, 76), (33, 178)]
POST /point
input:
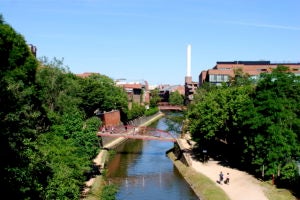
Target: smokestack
[(188, 60)]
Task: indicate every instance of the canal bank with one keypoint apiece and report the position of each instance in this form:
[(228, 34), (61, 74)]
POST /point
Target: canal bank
[(203, 177), (204, 187)]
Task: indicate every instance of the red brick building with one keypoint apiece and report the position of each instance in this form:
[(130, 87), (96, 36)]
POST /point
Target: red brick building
[(136, 91), (86, 74), (224, 70), (110, 119), (166, 90)]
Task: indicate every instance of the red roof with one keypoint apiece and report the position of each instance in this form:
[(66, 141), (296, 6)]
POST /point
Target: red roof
[(131, 86), (86, 74)]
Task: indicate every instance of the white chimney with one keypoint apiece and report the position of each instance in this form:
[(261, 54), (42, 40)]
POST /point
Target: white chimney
[(188, 60)]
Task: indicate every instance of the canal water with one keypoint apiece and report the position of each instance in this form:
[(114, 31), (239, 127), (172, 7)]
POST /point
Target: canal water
[(142, 171)]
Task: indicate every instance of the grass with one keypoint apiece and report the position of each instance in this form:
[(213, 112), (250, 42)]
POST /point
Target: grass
[(99, 183), (204, 188), (96, 189), (274, 193)]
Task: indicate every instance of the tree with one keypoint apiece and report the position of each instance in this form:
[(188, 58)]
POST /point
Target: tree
[(240, 78), (176, 98), (136, 111), (21, 119), (154, 98), (274, 126), (215, 120), (100, 92), (70, 142)]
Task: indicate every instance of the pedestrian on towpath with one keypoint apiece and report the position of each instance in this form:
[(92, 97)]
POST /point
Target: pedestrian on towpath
[(227, 179), (112, 129), (221, 177)]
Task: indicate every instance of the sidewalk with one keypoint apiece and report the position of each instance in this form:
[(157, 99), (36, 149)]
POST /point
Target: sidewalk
[(242, 186)]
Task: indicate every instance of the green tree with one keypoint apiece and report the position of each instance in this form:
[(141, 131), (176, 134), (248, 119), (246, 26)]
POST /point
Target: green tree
[(176, 98), (21, 119), (240, 78), (215, 120), (100, 93), (273, 140), (136, 111), (154, 98), (71, 142)]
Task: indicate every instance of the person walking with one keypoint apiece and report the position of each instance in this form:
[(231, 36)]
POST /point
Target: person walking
[(221, 177), (227, 179)]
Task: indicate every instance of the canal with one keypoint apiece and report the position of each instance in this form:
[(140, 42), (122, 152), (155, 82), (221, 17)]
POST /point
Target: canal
[(142, 170)]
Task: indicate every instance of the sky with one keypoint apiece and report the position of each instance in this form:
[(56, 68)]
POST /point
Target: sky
[(146, 40)]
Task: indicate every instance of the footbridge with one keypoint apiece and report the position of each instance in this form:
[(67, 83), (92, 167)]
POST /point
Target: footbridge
[(168, 107), (137, 132)]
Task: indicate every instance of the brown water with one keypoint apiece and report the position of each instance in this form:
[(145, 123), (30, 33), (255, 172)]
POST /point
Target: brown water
[(142, 171)]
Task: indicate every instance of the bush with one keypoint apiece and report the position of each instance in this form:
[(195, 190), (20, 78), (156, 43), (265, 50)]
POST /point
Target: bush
[(151, 111), (109, 192)]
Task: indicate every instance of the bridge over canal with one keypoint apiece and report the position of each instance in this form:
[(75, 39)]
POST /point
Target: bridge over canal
[(138, 132), (168, 107)]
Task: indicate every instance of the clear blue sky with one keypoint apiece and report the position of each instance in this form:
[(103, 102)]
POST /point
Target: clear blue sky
[(147, 39)]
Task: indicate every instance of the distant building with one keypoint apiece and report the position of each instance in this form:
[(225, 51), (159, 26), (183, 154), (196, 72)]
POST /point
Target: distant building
[(33, 49), (110, 119), (166, 90), (137, 92), (86, 74), (223, 71)]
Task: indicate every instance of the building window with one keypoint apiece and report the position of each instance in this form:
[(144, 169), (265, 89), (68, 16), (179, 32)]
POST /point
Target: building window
[(224, 68), (226, 78), (262, 70)]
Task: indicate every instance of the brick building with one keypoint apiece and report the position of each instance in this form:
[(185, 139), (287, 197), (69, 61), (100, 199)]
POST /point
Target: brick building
[(223, 71), (166, 90), (33, 49), (110, 119), (137, 92), (86, 74)]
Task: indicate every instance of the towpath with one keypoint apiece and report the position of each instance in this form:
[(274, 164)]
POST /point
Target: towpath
[(242, 185)]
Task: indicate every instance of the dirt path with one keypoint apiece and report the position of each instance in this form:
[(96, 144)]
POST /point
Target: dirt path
[(242, 186)]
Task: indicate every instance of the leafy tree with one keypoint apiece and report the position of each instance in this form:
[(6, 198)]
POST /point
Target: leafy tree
[(58, 87), (240, 78), (100, 92), (71, 142), (154, 98), (151, 111), (257, 127), (274, 126), (176, 98), (47, 142), (136, 111), (21, 119)]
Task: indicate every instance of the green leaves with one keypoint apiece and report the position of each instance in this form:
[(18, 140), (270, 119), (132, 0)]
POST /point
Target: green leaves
[(176, 98), (100, 92), (259, 124), (21, 118)]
